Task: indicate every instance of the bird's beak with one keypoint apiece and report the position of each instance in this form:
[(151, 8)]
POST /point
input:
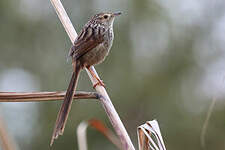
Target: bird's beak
[(117, 13)]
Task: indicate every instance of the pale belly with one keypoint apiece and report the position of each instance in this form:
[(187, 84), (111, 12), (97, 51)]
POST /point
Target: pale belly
[(95, 56)]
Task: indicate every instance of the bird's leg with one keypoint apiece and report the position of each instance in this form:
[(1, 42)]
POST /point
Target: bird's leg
[(100, 82)]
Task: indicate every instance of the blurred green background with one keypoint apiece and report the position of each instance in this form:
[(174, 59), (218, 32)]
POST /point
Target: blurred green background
[(167, 63)]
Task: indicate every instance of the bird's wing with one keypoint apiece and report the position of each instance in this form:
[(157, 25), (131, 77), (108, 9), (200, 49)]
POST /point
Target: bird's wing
[(88, 39)]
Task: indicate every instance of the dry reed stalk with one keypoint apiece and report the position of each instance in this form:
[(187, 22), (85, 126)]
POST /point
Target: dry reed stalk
[(42, 96), (100, 127), (7, 142)]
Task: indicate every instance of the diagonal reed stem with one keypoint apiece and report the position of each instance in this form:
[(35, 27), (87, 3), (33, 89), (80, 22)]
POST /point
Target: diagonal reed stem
[(106, 102), (6, 141)]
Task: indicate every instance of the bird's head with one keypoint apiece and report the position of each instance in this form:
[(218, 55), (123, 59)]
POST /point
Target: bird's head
[(105, 18)]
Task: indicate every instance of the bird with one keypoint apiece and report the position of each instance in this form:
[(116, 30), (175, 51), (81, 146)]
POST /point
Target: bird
[(90, 48)]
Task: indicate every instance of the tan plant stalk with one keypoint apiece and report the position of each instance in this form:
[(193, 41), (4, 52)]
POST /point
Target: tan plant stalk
[(6, 142), (42, 96)]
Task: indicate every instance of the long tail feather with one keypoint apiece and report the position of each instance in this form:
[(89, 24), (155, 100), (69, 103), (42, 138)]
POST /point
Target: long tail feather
[(65, 107)]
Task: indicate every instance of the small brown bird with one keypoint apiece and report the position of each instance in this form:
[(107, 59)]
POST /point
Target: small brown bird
[(91, 47)]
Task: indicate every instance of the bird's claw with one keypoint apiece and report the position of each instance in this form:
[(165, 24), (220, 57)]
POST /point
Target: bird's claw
[(100, 83)]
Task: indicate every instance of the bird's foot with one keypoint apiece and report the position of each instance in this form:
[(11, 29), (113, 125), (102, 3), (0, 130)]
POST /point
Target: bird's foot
[(100, 83)]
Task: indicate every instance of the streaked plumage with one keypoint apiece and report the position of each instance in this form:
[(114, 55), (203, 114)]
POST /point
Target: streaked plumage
[(91, 47)]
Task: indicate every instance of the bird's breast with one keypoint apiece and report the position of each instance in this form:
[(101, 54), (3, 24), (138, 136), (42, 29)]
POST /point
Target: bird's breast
[(99, 53)]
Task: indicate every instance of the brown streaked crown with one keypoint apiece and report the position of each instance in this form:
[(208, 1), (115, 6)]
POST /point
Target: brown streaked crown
[(104, 17)]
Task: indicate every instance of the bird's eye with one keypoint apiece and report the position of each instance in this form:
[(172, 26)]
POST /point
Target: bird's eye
[(105, 16)]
